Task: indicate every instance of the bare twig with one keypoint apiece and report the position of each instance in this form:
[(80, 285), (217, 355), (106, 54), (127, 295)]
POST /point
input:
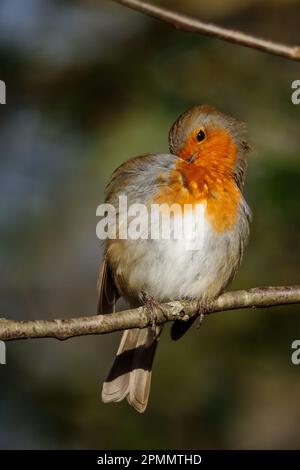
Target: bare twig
[(139, 317), (187, 23)]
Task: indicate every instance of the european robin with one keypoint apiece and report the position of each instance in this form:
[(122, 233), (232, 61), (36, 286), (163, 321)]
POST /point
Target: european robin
[(206, 167)]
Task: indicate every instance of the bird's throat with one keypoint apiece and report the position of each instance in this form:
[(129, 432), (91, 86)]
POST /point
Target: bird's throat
[(210, 183)]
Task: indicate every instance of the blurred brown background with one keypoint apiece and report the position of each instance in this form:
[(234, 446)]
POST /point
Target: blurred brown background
[(90, 84)]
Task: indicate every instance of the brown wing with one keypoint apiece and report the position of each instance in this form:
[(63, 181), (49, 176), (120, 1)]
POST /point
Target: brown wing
[(107, 290)]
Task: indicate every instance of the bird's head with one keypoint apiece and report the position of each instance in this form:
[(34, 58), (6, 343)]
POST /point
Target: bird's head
[(205, 137)]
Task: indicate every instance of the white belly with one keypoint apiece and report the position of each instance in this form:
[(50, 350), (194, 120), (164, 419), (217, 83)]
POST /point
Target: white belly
[(180, 268)]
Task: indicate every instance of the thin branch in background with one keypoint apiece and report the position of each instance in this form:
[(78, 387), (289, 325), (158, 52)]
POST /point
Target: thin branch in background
[(139, 317), (194, 25)]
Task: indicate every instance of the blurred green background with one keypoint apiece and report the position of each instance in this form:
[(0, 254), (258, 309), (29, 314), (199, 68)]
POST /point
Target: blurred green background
[(90, 84)]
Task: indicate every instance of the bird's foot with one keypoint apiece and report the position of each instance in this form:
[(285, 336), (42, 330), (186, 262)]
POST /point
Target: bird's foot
[(203, 308), (152, 306)]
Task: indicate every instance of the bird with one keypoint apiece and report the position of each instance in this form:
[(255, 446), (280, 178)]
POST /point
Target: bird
[(205, 167)]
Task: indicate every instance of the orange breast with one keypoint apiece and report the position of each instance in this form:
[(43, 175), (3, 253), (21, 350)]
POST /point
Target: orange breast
[(209, 179)]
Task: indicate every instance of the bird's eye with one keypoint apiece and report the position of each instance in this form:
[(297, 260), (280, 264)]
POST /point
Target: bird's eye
[(201, 135)]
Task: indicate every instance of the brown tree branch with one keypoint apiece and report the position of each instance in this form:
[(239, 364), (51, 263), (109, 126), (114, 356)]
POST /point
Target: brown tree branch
[(140, 318), (187, 23)]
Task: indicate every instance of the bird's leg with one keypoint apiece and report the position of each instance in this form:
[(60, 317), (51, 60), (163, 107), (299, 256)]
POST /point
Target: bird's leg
[(203, 308), (151, 305)]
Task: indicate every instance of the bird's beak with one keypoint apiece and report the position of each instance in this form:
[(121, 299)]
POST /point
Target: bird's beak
[(192, 158)]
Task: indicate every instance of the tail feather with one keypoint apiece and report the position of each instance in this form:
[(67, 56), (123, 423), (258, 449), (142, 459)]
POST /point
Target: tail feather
[(179, 328), (130, 375), (116, 385)]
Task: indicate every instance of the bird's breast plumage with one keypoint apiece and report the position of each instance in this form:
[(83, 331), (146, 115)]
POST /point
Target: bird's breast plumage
[(208, 185), (169, 269)]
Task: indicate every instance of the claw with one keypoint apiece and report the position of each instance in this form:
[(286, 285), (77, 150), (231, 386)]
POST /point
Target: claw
[(203, 309), (151, 305)]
